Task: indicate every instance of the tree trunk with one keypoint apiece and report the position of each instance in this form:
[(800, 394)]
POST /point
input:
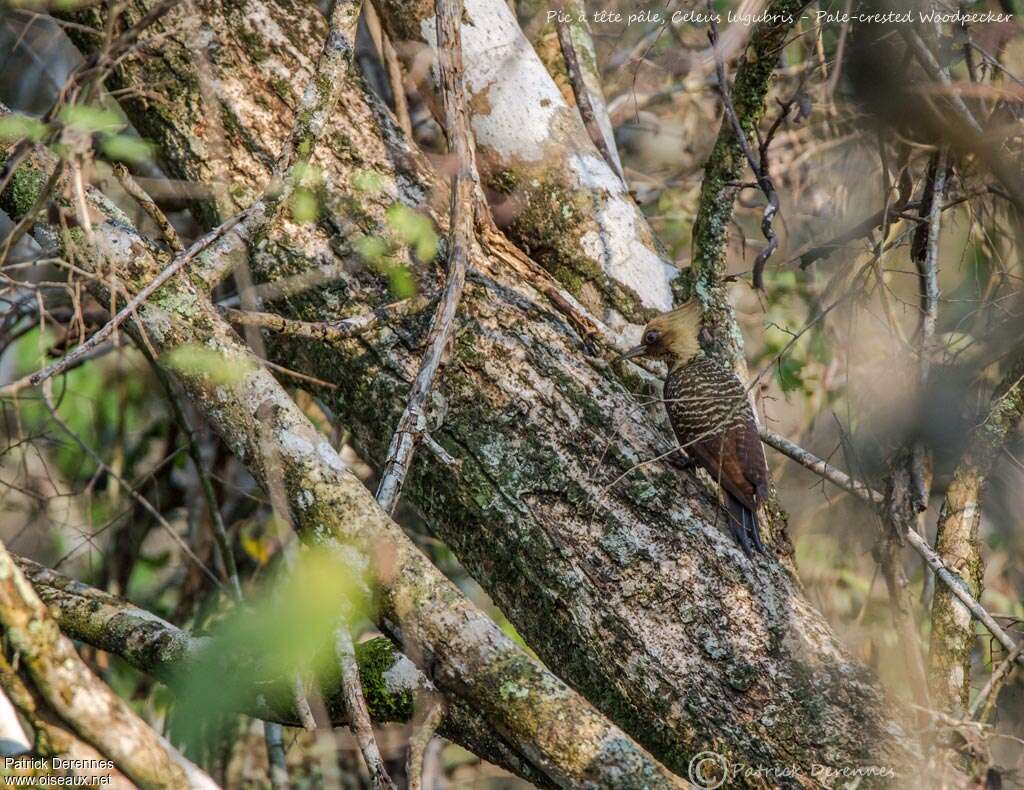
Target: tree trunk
[(620, 576)]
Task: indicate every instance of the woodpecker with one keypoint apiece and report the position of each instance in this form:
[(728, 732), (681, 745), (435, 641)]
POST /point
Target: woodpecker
[(711, 417)]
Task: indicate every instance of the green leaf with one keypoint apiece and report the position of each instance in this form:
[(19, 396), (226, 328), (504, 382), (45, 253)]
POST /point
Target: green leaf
[(126, 148), (21, 127), (304, 206), (414, 229), (401, 282), (788, 372), (259, 649), (88, 119), (367, 181), (201, 361), (373, 249)]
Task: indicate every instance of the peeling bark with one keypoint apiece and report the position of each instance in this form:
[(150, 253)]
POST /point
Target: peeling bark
[(618, 576)]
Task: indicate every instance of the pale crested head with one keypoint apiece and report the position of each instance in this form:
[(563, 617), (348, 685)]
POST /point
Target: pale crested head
[(673, 336)]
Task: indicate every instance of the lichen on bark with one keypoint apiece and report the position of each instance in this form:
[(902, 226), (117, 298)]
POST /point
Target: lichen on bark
[(525, 127), (617, 575)]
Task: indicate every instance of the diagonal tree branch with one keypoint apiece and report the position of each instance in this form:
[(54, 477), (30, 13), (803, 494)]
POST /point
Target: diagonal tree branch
[(52, 737), (163, 651), (574, 34), (97, 714), (616, 588), (329, 505), (950, 578)]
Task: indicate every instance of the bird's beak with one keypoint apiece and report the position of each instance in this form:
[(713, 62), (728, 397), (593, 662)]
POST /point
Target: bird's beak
[(636, 351)]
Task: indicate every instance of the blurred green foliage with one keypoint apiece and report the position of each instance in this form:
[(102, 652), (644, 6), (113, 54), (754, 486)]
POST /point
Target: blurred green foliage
[(286, 628), (201, 361), (21, 127)]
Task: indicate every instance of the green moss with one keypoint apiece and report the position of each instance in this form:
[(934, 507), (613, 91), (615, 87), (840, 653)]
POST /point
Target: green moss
[(504, 182), (341, 144), (254, 45), (725, 166), (282, 88), (26, 185), (375, 657)]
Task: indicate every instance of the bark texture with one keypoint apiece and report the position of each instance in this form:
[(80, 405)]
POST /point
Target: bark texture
[(51, 736), (99, 716), (471, 657), (724, 169), (620, 576)]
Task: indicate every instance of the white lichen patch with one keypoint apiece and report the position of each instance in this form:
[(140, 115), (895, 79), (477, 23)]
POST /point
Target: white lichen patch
[(594, 173), (503, 67), (331, 457), (156, 320), (961, 615), (517, 107), (403, 676), (298, 447)]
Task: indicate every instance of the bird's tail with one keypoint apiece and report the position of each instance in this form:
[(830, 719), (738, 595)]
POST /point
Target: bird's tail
[(743, 524)]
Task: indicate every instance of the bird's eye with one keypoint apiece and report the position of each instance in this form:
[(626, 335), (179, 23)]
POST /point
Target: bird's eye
[(651, 337)]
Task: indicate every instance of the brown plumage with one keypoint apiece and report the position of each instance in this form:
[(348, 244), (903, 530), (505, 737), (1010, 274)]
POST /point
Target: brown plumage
[(711, 416)]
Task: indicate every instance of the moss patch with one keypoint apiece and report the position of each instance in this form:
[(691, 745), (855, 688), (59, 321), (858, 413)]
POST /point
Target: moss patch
[(375, 657)]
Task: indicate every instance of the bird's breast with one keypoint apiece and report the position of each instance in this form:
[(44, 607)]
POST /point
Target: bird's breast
[(705, 396)]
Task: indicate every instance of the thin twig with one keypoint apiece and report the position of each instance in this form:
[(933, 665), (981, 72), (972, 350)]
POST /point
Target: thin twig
[(393, 66), (315, 109), (862, 229), (424, 726), (584, 100), (327, 331), (449, 15), (302, 705), (220, 533), (273, 736), (925, 253), (145, 503), (359, 714), (273, 733), (133, 188), (983, 703), (176, 265), (820, 467), (931, 65)]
